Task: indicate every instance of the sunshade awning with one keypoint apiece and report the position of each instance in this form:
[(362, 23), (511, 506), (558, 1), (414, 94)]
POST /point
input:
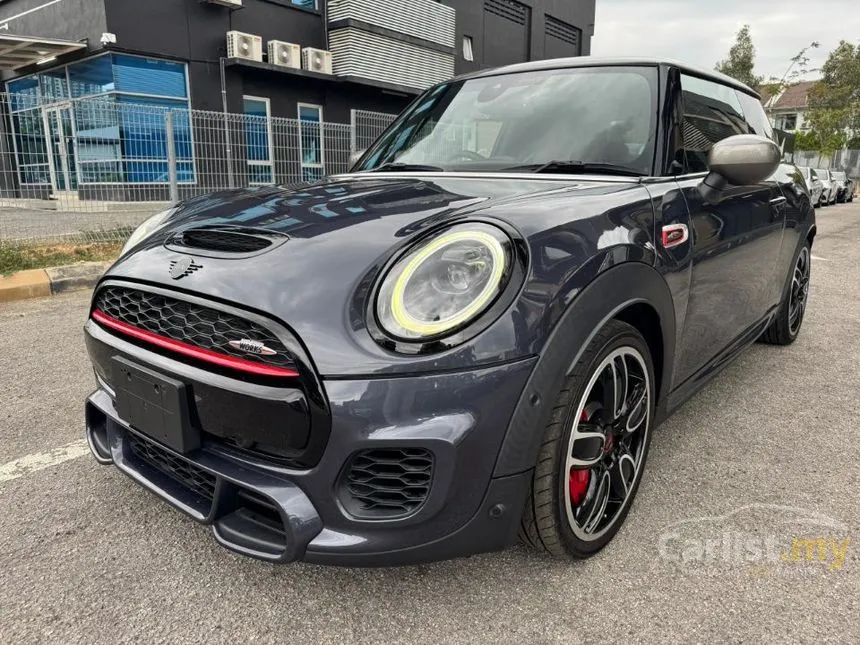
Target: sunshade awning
[(20, 51)]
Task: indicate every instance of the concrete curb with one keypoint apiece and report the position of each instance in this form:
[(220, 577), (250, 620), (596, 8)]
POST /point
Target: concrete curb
[(38, 283)]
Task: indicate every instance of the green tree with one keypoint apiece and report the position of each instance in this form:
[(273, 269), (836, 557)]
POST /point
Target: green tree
[(834, 103), (740, 63)]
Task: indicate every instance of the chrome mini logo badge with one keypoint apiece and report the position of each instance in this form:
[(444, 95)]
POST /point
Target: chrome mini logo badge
[(183, 267), (252, 347)]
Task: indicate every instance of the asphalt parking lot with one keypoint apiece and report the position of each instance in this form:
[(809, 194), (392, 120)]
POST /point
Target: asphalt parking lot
[(88, 556)]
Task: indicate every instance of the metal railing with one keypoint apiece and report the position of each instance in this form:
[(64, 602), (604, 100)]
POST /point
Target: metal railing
[(366, 126), (93, 169), (847, 160)]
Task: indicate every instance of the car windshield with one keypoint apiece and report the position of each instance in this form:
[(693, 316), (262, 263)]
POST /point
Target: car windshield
[(822, 174), (600, 119)]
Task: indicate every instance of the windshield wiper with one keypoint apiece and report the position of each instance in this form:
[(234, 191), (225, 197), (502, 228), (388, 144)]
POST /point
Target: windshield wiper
[(581, 167), (399, 166)]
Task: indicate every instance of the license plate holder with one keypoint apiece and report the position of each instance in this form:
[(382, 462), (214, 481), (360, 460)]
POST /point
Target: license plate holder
[(154, 405)]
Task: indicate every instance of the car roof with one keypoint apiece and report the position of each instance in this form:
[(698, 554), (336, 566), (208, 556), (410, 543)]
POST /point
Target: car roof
[(610, 61)]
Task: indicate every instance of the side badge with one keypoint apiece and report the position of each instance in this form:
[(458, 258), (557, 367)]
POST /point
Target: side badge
[(675, 235)]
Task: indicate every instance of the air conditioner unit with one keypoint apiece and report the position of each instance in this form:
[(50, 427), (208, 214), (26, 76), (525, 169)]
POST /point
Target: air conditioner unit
[(316, 60), (233, 4), (285, 54), (247, 46)]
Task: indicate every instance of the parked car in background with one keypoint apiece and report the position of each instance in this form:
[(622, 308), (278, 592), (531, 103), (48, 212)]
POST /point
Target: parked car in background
[(830, 192), (813, 183), (464, 338), (841, 182)]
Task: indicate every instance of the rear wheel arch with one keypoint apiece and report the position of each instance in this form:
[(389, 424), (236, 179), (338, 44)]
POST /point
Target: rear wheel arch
[(632, 292)]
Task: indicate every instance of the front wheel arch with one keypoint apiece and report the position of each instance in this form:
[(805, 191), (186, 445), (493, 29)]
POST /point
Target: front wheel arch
[(632, 292)]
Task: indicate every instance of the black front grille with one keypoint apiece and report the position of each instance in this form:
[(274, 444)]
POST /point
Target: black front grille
[(224, 240), (182, 471), (191, 323), (387, 482)]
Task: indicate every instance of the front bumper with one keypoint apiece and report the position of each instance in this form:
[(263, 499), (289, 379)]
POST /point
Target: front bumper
[(282, 513)]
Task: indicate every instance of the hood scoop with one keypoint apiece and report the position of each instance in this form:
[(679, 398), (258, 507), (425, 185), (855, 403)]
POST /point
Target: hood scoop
[(225, 241)]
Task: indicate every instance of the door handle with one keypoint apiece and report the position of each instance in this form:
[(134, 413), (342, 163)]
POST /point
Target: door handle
[(777, 206)]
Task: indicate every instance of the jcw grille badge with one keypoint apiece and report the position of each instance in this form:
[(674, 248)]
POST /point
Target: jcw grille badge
[(183, 267), (252, 347)]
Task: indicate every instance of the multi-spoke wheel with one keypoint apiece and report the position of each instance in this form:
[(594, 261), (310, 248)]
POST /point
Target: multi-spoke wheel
[(594, 448), (786, 326), (799, 292)]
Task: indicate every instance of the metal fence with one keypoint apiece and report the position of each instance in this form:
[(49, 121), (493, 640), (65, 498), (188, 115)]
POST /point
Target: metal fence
[(847, 160), (366, 127), (93, 169)]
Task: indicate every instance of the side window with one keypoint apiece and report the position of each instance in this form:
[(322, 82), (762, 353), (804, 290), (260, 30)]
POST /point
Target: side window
[(712, 112), (755, 116)]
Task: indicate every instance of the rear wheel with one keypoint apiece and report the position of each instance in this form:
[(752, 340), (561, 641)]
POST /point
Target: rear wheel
[(594, 448), (789, 318)]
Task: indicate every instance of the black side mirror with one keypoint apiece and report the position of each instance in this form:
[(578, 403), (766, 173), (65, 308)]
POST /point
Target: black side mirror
[(741, 160)]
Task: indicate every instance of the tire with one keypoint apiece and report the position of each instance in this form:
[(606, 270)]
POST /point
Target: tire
[(785, 328), (549, 511)]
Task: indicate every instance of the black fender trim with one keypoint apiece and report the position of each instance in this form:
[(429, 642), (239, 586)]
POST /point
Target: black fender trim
[(607, 295)]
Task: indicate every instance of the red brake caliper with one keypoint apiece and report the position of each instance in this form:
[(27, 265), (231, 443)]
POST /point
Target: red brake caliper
[(578, 479)]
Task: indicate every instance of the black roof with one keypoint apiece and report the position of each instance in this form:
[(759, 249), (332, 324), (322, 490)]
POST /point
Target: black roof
[(601, 61)]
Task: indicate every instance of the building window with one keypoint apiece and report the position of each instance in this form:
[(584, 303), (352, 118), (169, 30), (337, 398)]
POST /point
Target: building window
[(468, 50), (311, 142), (313, 5), (789, 122), (258, 140), (113, 111)]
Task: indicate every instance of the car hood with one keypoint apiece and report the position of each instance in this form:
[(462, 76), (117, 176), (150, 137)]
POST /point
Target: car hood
[(342, 231)]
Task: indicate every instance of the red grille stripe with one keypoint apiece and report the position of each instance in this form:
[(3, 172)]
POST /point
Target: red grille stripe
[(189, 350)]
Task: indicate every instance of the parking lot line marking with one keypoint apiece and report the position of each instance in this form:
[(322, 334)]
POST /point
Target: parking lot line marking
[(815, 257), (41, 460)]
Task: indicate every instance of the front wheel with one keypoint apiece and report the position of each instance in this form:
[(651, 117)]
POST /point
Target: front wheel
[(594, 448)]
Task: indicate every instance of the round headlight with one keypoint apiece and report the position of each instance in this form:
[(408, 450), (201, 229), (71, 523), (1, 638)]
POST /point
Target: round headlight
[(146, 229), (445, 282)]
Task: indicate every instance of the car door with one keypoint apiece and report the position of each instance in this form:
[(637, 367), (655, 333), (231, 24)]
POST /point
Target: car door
[(735, 243)]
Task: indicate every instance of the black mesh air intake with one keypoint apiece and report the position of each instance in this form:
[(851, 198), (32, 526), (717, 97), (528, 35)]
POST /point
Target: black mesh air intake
[(200, 481), (386, 482), (191, 323)]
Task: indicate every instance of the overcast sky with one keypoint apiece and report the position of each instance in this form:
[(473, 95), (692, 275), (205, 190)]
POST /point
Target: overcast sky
[(700, 32)]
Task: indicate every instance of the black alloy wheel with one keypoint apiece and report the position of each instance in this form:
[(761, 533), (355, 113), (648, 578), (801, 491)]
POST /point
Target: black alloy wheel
[(594, 448), (786, 326)]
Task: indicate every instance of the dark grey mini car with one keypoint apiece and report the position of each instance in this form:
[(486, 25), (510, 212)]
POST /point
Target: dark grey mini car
[(468, 338)]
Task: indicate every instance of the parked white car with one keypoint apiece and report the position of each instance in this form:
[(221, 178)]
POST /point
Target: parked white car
[(830, 190), (813, 183), (844, 186)]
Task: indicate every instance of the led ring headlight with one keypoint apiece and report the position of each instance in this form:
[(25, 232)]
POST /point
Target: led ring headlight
[(445, 282)]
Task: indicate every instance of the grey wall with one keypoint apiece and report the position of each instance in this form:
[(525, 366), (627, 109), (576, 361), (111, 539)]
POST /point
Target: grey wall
[(196, 32), (498, 41), (66, 20)]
